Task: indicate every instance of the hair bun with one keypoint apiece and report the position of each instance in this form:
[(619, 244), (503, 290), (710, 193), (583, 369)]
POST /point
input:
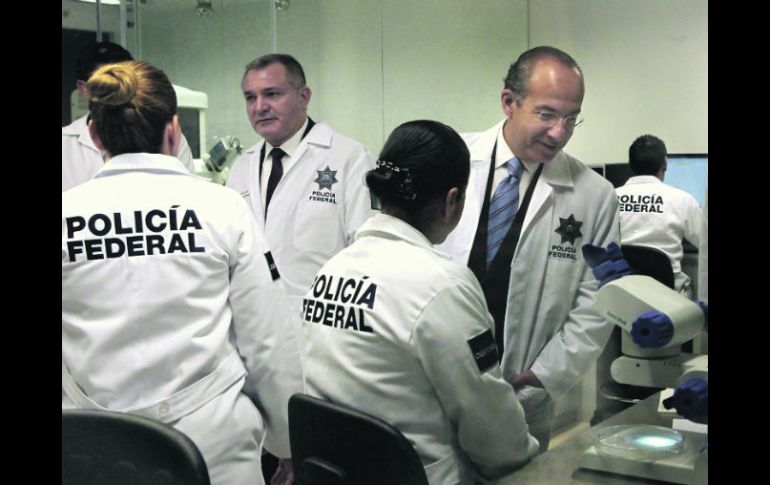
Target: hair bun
[(113, 85)]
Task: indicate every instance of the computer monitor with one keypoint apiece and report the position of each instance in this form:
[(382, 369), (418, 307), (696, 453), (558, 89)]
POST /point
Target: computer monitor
[(617, 173), (600, 169), (689, 172)]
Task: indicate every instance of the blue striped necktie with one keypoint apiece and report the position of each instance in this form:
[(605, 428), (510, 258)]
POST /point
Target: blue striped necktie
[(503, 207)]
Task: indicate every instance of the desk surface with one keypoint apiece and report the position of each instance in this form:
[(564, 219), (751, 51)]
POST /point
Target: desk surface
[(559, 465)]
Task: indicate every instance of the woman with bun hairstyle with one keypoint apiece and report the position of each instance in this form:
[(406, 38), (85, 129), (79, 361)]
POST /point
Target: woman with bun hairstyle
[(397, 330), (171, 305)]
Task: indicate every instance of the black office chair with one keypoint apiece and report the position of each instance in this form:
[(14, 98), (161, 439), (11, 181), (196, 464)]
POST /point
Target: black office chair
[(332, 444), (101, 447), (650, 262)]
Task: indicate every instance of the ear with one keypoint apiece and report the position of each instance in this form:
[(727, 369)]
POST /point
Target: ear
[(508, 102), (453, 205), (95, 137), (172, 135), (80, 85), (305, 93)]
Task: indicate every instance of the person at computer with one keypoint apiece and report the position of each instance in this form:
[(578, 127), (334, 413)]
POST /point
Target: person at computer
[(655, 214)]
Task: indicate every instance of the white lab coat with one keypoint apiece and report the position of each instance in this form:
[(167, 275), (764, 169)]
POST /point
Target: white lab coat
[(173, 334), (550, 324), (415, 369), (80, 159), (307, 225), (660, 216)]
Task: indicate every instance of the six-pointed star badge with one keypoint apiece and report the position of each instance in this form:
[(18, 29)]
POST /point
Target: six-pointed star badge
[(326, 178), (569, 229)]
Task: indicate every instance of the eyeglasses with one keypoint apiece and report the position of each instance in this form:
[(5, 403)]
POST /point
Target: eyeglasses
[(549, 118)]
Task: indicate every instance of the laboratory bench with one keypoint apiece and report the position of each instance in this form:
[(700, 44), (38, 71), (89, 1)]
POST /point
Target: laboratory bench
[(559, 465)]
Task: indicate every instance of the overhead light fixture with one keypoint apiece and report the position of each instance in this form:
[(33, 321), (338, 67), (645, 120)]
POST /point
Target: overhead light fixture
[(103, 2), (281, 4), (203, 9)]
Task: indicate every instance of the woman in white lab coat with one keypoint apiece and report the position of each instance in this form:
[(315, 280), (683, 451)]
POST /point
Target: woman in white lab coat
[(171, 306), (395, 329)]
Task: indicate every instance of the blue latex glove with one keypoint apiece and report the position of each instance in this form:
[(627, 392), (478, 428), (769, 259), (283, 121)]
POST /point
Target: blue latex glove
[(691, 400), (652, 329), (607, 264)]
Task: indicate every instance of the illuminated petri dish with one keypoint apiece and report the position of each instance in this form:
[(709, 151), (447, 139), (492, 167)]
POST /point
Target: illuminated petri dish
[(639, 442)]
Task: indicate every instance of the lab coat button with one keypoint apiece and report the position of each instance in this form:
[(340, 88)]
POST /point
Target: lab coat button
[(163, 410)]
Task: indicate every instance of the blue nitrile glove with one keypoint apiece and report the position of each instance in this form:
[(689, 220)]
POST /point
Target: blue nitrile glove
[(691, 400), (652, 329), (607, 264)]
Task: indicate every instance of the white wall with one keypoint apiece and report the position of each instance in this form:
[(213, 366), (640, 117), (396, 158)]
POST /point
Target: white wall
[(372, 64), (375, 63), (208, 54), (646, 70)]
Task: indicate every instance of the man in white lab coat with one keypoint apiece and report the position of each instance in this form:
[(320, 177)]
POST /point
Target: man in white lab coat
[(80, 159), (309, 198), (537, 285), (657, 215)]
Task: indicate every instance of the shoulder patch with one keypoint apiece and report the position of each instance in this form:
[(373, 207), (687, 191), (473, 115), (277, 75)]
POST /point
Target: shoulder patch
[(484, 350), (271, 265)]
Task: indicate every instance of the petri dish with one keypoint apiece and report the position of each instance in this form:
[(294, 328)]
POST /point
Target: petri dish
[(639, 442)]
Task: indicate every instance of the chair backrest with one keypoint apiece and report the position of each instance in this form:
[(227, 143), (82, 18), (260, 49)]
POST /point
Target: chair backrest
[(332, 444), (100, 447), (650, 262)]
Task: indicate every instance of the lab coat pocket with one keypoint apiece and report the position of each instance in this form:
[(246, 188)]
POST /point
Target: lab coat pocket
[(316, 226)]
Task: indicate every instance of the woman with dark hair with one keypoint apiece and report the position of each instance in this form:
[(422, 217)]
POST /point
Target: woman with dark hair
[(171, 307), (397, 330)]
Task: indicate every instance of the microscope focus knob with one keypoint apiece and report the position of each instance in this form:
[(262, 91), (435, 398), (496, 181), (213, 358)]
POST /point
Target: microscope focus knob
[(652, 329)]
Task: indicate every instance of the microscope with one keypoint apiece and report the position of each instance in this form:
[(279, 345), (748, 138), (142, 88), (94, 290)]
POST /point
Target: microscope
[(655, 321)]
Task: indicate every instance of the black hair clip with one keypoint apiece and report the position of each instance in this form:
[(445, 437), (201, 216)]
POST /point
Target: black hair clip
[(406, 187)]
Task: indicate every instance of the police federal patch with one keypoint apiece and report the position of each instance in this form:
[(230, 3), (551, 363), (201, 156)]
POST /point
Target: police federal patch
[(484, 350), (271, 265)]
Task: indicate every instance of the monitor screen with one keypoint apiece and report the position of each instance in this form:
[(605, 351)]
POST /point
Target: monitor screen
[(599, 169), (617, 173), (688, 172)]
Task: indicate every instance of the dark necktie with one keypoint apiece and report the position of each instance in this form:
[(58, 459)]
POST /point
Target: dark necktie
[(275, 174), (502, 208)]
